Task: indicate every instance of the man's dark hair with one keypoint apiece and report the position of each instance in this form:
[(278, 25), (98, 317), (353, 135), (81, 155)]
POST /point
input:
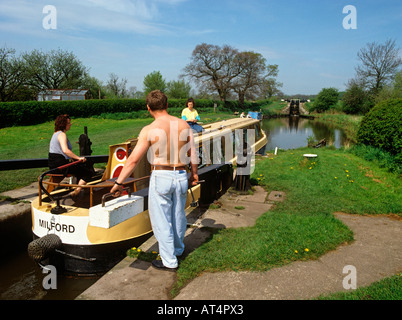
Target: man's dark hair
[(156, 100)]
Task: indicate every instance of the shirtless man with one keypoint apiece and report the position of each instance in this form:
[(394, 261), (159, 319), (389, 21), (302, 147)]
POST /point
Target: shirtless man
[(168, 140)]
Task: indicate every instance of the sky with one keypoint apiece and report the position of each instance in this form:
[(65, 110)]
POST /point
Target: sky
[(311, 41)]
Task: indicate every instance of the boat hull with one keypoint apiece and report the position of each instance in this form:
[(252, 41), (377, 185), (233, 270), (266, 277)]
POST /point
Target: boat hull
[(91, 260)]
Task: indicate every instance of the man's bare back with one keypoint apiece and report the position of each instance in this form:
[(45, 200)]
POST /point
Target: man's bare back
[(168, 137), (168, 141)]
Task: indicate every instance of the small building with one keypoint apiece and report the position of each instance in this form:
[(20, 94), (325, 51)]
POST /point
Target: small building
[(63, 94)]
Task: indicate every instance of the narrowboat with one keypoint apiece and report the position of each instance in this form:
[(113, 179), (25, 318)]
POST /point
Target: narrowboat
[(90, 234)]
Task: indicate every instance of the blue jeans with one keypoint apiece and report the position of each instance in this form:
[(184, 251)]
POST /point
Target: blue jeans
[(166, 205), (196, 127)]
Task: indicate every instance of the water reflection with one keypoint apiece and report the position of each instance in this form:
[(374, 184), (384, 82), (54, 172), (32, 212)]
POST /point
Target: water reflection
[(293, 132)]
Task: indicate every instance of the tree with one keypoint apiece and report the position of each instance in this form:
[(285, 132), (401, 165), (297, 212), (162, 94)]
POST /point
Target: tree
[(213, 68), (356, 100), (57, 69), (391, 91), (252, 67), (178, 89), (379, 64), (154, 81), (327, 98), (12, 75), (117, 88), (270, 86), (94, 85)]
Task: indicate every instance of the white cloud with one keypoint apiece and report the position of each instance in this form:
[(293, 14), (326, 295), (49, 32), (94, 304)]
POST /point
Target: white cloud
[(125, 16), (141, 9)]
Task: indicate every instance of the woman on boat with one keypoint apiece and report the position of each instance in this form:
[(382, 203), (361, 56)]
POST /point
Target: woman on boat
[(190, 115), (60, 153)]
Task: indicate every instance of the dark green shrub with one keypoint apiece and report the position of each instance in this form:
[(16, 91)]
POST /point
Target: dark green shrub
[(34, 112), (382, 127), (21, 113), (356, 100), (327, 98)]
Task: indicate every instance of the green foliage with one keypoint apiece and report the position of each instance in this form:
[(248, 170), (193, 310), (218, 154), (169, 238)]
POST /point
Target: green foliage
[(178, 89), (382, 158), (21, 113), (356, 100), (154, 81), (327, 98), (381, 127), (34, 112)]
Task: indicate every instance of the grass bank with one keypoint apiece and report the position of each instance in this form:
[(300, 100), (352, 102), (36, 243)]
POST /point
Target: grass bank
[(303, 226), (348, 123)]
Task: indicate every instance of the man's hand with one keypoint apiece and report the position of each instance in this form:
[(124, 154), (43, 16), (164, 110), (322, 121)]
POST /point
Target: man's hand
[(116, 190), (193, 181)]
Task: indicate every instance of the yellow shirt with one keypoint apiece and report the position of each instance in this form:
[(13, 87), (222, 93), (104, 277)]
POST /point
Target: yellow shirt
[(189, 115)]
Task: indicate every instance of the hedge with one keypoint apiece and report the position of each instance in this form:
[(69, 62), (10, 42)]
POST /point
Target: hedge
[(35, 112), (381, 127)]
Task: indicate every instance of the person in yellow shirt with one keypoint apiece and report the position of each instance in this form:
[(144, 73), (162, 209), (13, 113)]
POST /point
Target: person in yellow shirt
[(190, 115)]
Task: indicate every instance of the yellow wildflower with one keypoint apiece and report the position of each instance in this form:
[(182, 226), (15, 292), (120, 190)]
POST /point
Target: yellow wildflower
[(307, 250)]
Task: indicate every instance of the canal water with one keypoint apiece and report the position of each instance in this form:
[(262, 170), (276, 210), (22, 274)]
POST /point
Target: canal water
[(21, 279), (294, 132)]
